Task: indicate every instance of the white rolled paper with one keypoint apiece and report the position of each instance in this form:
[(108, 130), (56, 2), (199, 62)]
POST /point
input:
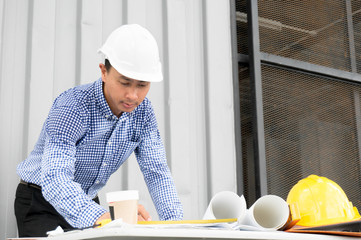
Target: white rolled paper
[(225, 205), (269, 212)]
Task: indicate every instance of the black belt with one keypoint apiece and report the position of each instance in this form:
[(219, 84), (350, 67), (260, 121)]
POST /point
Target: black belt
[(96, 199), (30, 184)]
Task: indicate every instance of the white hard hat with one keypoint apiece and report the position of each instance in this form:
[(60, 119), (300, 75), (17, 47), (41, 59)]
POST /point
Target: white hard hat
[(133, 52)]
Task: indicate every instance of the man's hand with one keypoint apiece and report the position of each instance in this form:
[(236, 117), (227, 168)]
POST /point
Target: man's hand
[(103, 217), (143, 215)]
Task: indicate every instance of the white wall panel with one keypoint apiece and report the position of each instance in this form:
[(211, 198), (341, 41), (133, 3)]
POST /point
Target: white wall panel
[(42, 66), (112, 16), (47, 46), (12, 99), (2, 13), (91, 40), (186, 103), (137, 11), (65, 44), (220, 98)]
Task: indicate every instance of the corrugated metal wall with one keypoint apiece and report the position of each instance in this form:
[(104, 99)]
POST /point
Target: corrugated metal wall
[(48, 46)]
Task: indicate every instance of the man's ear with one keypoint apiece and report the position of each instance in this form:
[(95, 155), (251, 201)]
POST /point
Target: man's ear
[(103, 71)]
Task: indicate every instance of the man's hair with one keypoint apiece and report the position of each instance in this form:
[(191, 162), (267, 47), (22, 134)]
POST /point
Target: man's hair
[(107, 65)]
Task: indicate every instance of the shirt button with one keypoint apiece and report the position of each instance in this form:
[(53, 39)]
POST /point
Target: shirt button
[(106, 116), (97, 182), (109, 143), (104, 164)]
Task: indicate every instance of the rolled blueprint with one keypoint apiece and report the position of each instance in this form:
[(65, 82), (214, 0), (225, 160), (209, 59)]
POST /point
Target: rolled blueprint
[(269, 212), (225, 205)]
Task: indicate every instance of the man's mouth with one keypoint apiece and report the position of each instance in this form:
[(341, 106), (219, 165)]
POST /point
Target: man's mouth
[(129, 105)]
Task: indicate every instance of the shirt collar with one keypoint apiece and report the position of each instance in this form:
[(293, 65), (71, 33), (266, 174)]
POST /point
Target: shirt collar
[(101, 102)]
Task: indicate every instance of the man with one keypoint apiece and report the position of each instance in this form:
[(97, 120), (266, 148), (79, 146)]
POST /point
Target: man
[(89, 132)]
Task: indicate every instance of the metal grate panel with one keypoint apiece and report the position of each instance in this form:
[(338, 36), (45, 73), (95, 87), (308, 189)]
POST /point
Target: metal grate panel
[(311, 128), (246, 132), (309, 31), (312, 123), (356, 23), (241, 23)]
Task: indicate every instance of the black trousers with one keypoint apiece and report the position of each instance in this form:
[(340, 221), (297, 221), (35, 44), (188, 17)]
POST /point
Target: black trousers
[(34, 215)]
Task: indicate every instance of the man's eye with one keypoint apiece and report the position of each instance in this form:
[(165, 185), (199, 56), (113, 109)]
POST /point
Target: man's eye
[(124, 83)]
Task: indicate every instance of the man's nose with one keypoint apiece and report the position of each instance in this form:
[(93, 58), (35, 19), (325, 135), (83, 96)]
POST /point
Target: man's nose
[(132, 94)]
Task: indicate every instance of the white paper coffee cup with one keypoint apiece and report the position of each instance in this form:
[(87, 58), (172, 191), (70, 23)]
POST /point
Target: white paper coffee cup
[(124, 205)]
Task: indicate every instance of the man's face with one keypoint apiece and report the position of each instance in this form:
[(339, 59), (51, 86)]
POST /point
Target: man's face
[(122, 94)]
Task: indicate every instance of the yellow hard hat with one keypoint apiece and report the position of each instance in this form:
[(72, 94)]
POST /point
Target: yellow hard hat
[(321, 201)]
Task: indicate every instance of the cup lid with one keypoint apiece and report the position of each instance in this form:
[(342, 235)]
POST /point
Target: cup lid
[(122, 195)]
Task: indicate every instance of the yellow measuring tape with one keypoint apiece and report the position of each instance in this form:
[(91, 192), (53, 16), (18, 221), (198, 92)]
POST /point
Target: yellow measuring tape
[(227, 220), (102, 223)]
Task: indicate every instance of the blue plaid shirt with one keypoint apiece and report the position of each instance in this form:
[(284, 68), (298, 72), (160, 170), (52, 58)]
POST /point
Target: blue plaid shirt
[(82, 143)]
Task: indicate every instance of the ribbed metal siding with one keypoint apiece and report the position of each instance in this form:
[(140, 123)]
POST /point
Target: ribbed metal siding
[(48, 46)]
